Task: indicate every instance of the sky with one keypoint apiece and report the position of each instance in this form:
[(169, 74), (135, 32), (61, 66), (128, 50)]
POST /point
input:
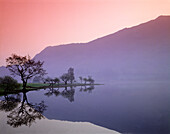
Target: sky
[(28, 26)]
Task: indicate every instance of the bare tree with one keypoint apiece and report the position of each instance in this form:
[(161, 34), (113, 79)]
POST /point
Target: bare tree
[(25, 67)]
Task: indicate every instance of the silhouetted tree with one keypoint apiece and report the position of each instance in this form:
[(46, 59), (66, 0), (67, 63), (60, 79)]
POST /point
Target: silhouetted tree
[(49, 81), (52, 81), (8, 83), (65, 77), (71, 74), (25, 67), (90, 80), (85, 80), (56, 80)]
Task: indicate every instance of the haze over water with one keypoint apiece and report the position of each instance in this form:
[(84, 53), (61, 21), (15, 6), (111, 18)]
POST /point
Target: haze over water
[(127, 107)]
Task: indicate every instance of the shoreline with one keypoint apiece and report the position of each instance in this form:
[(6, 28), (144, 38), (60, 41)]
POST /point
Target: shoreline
[(34, 88), (45, 126)]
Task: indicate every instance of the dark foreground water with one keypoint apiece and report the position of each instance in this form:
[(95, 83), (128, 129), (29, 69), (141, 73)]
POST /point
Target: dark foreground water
[(127, 107)]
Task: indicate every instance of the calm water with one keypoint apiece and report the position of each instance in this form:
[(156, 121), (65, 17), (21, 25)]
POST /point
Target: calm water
[(127, 107)]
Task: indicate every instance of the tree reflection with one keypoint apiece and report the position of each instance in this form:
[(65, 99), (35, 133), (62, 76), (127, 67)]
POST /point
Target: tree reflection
[(66, 93), (9, 102), (21, 113), (87, 89), (25, 113), (69, 94), (52, 91)]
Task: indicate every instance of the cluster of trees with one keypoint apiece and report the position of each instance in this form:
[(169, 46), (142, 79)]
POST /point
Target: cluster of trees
[(69, 76), (51, 81), (8, 83), (66, 77), (28, 68), (89, 79)]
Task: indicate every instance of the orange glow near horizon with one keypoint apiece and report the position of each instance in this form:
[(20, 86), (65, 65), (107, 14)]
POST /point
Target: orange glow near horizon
[(28, 26)]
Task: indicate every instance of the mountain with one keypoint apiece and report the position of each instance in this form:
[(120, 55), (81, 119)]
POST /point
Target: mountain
[(4, 71), (138, 53)]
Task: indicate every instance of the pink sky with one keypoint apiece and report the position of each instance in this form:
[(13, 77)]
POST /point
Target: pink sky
[(28, 26)]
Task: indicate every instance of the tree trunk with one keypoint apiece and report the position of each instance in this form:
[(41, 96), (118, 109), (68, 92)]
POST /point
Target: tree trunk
[(65, 82), (24, 85), (24, 82)]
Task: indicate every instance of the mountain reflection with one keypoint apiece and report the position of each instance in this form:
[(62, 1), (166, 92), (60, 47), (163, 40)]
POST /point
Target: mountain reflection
[(21, 113)]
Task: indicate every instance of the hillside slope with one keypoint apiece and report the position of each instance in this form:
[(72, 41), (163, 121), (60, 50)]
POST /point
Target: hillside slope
[(138, 53)]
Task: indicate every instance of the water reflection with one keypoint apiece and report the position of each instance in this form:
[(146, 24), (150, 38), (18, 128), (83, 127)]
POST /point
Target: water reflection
[(25, 113), (87, 89), (67, 92), (52, 91), (125, 107), (21, 112), (10, 102)]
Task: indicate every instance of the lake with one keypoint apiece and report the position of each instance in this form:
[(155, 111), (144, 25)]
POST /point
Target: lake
[(127, 107)]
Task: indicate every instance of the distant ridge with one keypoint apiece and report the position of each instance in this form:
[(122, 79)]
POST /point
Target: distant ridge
[(141, 52)]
